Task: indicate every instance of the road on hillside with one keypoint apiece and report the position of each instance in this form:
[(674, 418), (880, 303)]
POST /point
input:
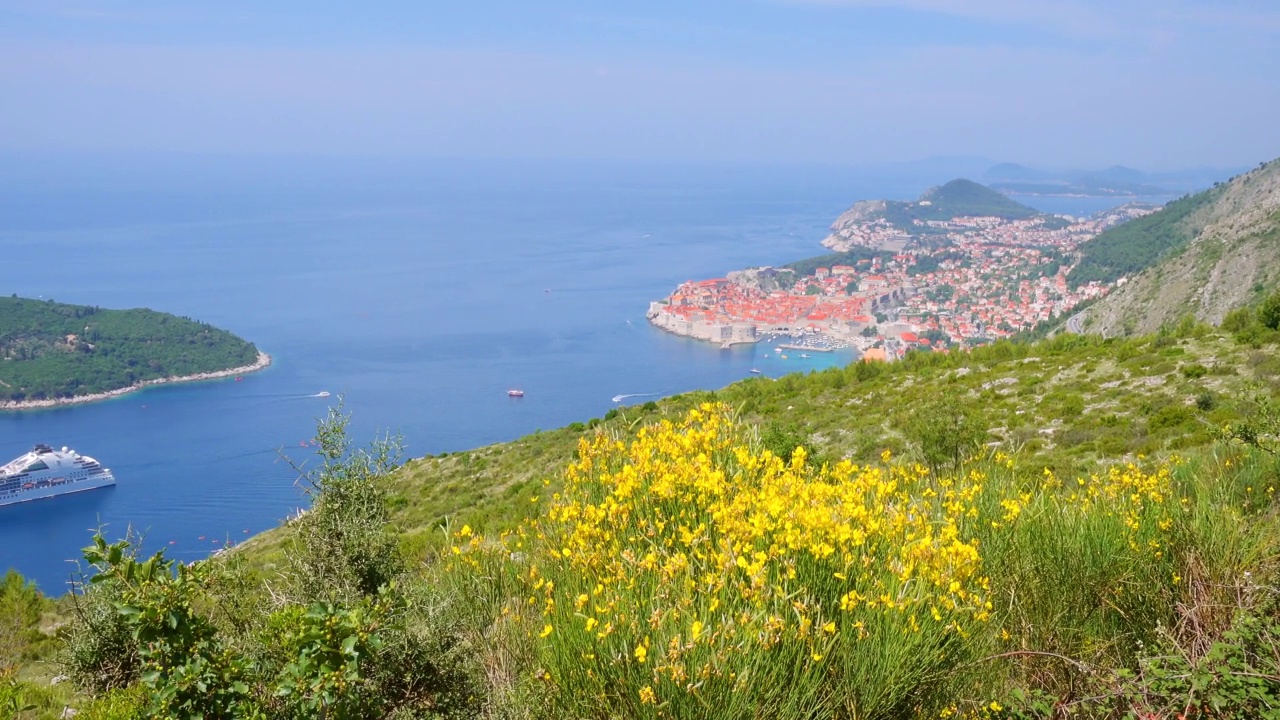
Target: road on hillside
[(1075, 323)]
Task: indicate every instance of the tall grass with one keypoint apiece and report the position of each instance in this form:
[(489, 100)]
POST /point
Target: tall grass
[(691, 573)]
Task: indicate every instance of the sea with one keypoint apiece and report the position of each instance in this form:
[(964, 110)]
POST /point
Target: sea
[(416, 292)]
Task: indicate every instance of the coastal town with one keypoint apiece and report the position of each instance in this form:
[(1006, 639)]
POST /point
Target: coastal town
[(962, 281)]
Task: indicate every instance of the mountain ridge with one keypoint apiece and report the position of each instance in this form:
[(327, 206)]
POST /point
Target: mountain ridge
[(1228, 256)]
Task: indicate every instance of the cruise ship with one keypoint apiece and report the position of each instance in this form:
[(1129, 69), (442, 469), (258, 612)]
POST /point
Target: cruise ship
[(45, 472)]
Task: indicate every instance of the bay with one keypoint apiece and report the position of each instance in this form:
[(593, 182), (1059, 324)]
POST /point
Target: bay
[(419, 292)]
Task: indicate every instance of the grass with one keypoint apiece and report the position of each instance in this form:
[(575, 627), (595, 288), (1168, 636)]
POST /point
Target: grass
[(710, 575), (1099, 518)]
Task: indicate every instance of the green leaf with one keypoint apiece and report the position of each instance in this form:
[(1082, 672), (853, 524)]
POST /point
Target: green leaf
[(349, 644)]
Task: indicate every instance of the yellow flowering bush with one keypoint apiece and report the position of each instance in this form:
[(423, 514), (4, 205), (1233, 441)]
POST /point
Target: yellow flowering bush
[(687, 570), (690, 573)]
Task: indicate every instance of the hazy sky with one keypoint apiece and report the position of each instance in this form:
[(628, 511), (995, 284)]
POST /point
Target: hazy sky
[(1149, 83)]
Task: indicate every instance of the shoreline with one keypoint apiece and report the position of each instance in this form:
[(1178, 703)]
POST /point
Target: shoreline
[(263, 361)]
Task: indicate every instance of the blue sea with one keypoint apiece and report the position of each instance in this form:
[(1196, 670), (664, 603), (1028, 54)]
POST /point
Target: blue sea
[(420, 292)]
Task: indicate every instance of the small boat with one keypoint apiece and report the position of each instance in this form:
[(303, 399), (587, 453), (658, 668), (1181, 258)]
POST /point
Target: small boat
[(784, 357), (515, 393), (323, 393), (755, 371), (804, 354)]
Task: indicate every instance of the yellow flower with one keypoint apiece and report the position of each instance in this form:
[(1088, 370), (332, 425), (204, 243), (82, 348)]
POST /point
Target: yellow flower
[(995, 706), (647, 696), (642, 653), (546, 630), (829, 628)]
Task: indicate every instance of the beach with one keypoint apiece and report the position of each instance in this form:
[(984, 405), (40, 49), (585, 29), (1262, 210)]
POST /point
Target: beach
[(263, 361)]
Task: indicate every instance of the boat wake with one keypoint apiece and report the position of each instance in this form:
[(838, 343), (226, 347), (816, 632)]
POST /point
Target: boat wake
[(620, 398)]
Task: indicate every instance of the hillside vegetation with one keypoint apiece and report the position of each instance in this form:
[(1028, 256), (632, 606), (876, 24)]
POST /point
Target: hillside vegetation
[(51, 350), (1138, 244), (965, 198), (1200, 257), (1078, 526), (958, 198)]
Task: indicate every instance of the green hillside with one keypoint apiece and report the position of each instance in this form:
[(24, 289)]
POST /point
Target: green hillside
[(1200, 257), (958, 198), (51, 350), (810, 265), (1136, 245), (1019, 527)]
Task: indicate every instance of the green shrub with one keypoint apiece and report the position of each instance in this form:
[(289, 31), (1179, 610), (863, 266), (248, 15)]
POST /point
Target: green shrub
[(343, 547), (21, 605), (120, 704), (1269, 312), (944, 431), (1169, 416), (99, 652), (1194, 371)]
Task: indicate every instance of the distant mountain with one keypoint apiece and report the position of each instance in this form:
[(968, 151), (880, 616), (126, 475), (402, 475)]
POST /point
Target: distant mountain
[(1202, 256), (1116, 174), (1013, 172), (958, 198), (1115, 181), (965, 198)]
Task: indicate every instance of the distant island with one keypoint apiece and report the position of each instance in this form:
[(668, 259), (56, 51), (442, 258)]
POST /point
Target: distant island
[(1116, 181), (57, 354)]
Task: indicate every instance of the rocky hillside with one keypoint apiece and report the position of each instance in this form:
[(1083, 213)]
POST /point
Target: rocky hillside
[(1232, 258)]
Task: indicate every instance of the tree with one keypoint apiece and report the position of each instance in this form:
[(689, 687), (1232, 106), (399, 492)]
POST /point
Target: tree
[(343, 632), (1269, 311), (20, 607), (784, 440), (345, 548), (945, 432)]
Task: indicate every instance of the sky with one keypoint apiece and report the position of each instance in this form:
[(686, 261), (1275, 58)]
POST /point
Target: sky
[(1154, 84)]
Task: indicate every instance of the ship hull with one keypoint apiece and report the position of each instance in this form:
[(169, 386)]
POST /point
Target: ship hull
[(40, 493)]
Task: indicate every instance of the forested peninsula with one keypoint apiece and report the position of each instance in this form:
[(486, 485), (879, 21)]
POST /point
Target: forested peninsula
[(53, 353)]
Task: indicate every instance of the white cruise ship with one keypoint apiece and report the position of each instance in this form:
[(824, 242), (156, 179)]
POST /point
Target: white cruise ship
[(45, 472)]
